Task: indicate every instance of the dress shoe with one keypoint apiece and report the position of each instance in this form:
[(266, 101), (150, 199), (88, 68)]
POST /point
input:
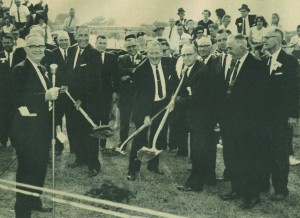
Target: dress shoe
[(43, 209), (185, 188), (229, 196), (131, 177), (293, 161), (279, 197), (250, 203), (92, 173)]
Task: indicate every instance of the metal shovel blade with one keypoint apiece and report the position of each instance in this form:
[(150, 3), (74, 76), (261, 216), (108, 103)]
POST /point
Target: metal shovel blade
[(102, 132), (145, 154)]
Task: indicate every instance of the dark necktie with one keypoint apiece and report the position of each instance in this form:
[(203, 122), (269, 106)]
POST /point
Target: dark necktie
[(18, 11), (158, 82), (170, 34), (244, 26), (65, 55), (132, 60), (235, 71), (43, 72), (101, 62), (269, 63), (71, 21), (224, 64), (78, 56)]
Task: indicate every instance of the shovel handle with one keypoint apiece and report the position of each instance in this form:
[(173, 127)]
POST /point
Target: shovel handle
[(86, 116)]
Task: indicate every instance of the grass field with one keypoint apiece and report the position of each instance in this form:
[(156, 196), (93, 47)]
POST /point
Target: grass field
[(157, 192)]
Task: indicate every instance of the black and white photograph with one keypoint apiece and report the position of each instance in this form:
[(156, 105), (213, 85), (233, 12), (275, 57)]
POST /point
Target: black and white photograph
[(153, 108)]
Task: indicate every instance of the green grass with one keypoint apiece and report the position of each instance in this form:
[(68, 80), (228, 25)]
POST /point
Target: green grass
[(152, 191)]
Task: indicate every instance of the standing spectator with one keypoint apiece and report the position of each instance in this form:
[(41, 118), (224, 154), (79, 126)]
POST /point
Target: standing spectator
[(46, 28), (295, 43), (41, 10), (126, 66), (246, 21), (181, 35), (220, 12), (227, 24), (181, 14), (206, 21), (109, 79), (283, 101), (141, 39), (21, 17), (158, 32), (70, 25), (170, 33)]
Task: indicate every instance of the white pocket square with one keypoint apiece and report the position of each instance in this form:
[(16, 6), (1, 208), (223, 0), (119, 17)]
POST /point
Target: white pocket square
[(82, 65), (279, 73)]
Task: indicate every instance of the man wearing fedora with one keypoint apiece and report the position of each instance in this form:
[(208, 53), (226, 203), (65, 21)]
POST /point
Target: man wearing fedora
[(246, 21), (182, 20), (158, 31)]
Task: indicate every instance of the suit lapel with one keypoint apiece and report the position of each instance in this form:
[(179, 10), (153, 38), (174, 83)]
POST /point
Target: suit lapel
[(280, 59)]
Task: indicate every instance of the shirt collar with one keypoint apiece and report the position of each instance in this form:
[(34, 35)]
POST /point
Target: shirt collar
[(62, 50), (154, 65), (242, 59), (275, 55), (34, 64)]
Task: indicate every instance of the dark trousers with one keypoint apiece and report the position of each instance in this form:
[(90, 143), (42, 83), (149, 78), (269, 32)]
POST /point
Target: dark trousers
[(203, 156), (107, 105), (5, 125), (178, 132), (86, 147), (32, 167), (61, 109), (279, 165), (125, 105), (142, 140)]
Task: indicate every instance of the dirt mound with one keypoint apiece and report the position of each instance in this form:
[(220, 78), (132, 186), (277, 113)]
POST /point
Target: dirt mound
[(109, 191)]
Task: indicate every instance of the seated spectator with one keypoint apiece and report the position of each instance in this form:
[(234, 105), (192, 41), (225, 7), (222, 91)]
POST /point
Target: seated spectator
[(227, 25), (199, 33), (275, 22), (190, 24), (295, 43), (8, 27), (213, 29), (19, 42), (256, 35), (41, 10), (206, 21)]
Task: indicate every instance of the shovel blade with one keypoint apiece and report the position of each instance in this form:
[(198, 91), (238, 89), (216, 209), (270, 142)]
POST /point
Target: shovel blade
[(145, 154)]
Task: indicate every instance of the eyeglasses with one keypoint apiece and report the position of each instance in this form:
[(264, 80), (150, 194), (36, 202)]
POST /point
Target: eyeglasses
[(36, 46), (268, 37), (204, 46), (188, 55)]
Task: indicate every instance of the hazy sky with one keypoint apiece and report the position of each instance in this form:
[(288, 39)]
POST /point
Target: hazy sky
[(135, 12)]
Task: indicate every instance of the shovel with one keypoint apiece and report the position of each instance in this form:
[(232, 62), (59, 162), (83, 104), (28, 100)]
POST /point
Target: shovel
[(102, 132), (145, 153)]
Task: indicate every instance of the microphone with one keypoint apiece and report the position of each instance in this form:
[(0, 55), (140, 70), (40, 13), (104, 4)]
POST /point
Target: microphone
[(53, 68)]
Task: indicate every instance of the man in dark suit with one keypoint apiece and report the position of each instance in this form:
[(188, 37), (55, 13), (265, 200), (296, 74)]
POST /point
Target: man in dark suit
[(31, 132), (195, 98), (283, 103), (245, 97), (109, 79), (86, 87), (219, 68), (153, 81), (126, 65), (59, 57), (7, 63), (246, 21)]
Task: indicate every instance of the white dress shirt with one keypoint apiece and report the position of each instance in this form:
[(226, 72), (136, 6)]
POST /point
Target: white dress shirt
[(274, 60), (162, 82), (241, 60), (23, 12)]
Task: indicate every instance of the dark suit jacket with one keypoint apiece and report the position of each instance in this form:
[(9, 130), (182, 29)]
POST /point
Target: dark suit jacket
[(110, 80), (178, 22), (45, 9), (282, 88), (85, 80), (198, 105), (28, 91), (145, 87), (125, 68), (239, 22), (62, 75)]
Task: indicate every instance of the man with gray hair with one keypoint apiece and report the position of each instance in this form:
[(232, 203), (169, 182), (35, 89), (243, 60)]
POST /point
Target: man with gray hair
[(31, 131), (245, 106), (153, 81), (205, 50)]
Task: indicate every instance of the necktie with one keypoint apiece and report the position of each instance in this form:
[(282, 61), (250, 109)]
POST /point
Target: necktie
[(101, 62), (235, 71), (244, 26), (270, 63), (70, 21), (76, 61), (224, 63), (170, 34), (65, 55), (18, 11), (132, 60), (42, 71), (158, 82)]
